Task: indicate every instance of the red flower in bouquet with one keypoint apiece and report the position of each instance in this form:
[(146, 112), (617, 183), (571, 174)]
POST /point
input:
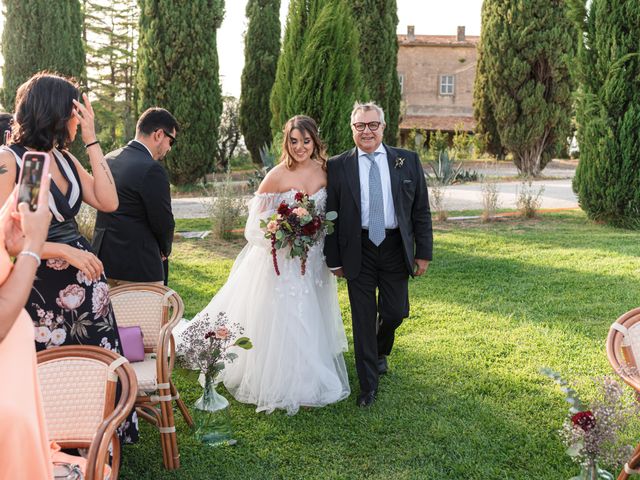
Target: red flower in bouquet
[(297, 226), (585, 420)]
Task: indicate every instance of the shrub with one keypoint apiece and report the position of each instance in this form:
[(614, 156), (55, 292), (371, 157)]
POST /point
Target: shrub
[(437, 197), (86, 220), (529, 199), (227, 208), (490, 201)]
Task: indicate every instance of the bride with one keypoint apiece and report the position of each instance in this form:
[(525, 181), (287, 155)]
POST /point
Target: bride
[(293, 320)]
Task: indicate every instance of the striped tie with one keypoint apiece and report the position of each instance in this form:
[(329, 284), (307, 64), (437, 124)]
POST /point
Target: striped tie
[(376, 204)]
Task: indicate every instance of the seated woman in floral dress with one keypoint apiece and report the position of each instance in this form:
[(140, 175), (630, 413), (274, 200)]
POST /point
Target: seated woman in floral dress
[(69, 302)]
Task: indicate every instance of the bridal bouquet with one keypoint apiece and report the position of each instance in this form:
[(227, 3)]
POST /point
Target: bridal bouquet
[(298, 226), (594, 435), (206, 344)]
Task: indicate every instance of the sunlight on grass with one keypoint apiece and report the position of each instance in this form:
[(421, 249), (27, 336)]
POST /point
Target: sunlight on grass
[(464, 397)]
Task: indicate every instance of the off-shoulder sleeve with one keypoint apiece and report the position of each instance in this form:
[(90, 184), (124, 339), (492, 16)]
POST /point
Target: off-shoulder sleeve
[(261, 206)]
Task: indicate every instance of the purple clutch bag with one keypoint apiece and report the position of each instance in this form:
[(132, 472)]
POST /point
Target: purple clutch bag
[(132, 344)]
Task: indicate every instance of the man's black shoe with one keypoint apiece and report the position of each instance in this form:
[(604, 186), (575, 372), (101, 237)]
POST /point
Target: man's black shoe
[(383, 367), (366, 399)]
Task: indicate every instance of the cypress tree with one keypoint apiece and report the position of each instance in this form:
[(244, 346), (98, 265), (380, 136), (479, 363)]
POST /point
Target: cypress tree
[(607, 180), (110, 31), (527, 47), (40, 35), (329, 78), (377, 21), (300, 19), (482, 110), (261, 50), (178, 70)]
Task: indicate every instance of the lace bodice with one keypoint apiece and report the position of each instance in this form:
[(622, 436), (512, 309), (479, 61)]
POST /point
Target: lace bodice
[(263, 205)]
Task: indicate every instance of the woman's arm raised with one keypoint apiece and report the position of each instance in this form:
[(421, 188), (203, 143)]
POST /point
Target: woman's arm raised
[(99, 190)]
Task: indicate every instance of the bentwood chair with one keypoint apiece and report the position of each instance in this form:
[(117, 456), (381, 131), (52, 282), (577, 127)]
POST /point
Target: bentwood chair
[(623, 351), (78, 386), (156, 309)]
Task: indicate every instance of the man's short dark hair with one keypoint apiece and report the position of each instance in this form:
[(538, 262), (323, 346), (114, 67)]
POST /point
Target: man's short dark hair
[(155, 119)]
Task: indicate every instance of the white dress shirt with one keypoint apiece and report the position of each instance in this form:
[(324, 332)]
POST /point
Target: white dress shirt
[(364, 165)]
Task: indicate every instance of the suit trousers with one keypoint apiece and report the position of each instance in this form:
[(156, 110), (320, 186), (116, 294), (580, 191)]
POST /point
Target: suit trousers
[(376, 317)]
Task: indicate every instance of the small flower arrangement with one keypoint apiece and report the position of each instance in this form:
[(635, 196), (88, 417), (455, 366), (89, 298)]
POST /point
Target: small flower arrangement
[(399, 162), (206, 345), (594, 435), (298, 226)]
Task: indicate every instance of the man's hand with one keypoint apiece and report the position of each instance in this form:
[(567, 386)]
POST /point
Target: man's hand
[(420, 266), (338, 272)]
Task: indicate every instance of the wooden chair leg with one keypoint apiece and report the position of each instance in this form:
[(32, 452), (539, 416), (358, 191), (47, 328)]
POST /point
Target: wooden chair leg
[(633, 463), (181, 405), (168, 433), (115, 455)]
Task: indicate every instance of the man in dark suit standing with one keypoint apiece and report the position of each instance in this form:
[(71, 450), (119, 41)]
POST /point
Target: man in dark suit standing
[(382, 236), (135, 240)]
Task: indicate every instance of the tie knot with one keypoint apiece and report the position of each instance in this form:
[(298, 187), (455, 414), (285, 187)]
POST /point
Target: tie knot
[(371, 156)]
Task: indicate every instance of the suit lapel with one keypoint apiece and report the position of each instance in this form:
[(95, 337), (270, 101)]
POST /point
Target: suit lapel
[(352, 171), (394, 176)]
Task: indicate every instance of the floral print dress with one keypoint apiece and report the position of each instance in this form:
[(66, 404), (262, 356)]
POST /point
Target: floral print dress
[(65, 306)]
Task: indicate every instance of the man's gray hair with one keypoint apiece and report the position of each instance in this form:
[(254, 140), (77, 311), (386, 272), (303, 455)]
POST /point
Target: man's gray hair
[(366, 107)]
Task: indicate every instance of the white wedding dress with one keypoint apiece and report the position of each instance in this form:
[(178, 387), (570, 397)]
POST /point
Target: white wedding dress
[(292, 320)]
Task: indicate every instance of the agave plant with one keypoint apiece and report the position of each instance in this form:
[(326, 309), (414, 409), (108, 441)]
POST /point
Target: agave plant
[(445, 169)]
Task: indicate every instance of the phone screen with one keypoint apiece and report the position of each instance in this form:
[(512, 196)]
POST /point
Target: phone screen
[(30, 178)]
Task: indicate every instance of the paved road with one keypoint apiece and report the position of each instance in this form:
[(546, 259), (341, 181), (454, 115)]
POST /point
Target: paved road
[(556, 194)]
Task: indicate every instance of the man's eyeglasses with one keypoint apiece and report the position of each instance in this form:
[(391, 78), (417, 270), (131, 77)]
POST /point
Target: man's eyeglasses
[(360, 126), (172, 139)]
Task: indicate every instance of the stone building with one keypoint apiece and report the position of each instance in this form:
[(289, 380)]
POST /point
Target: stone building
[(436, 77)]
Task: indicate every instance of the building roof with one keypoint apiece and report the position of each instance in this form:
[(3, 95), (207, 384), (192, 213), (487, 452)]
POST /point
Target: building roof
[(437, 123), (438, 40)]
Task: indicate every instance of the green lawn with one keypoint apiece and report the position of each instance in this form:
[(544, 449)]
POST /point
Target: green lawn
[(463, 399)]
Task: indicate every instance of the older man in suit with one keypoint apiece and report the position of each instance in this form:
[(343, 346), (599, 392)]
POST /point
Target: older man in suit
[(382, 236), (135, 240)]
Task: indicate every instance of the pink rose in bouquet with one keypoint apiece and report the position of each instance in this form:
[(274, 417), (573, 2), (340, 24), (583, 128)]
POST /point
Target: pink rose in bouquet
[(297, 226)]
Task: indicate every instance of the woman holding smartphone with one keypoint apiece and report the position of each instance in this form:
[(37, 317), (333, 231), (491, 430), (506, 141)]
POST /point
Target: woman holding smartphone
[(69, 302), (21, 415)]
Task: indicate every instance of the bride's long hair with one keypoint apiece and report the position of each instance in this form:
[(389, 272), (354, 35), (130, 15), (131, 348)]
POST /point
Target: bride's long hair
[(307, 125)]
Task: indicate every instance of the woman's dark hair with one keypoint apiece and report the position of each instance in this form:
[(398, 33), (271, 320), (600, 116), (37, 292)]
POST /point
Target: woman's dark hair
[(44, 105), (307, 125)]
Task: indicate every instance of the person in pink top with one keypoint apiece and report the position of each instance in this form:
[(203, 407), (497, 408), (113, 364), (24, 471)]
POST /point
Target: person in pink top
[(24, 443)]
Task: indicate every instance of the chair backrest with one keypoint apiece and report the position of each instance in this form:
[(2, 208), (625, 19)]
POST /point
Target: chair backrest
[(624, 339), (78, 385), (148, 306)]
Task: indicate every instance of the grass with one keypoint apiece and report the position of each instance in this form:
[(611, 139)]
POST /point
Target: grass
[(464, 397)]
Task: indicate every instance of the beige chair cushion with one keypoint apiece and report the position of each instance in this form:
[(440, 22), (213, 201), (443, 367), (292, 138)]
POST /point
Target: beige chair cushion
[(146, 373)]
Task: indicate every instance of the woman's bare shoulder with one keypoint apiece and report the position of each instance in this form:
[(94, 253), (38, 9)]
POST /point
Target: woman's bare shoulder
[(273, 180), (7, 163)]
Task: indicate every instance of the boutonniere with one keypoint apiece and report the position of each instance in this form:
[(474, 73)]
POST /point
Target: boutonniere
[(399, 162)]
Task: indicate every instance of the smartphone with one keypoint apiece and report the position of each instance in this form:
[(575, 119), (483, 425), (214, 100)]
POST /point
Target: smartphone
[(34, 166), (6, 137)]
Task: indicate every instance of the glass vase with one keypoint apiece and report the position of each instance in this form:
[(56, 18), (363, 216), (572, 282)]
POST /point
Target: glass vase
[(591, 471), (211, 417)]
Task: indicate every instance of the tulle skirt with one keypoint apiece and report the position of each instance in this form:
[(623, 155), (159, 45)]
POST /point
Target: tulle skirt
[(295, 326)]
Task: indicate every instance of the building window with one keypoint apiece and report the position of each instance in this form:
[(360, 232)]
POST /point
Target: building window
[(401, 81), (446, 84)]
